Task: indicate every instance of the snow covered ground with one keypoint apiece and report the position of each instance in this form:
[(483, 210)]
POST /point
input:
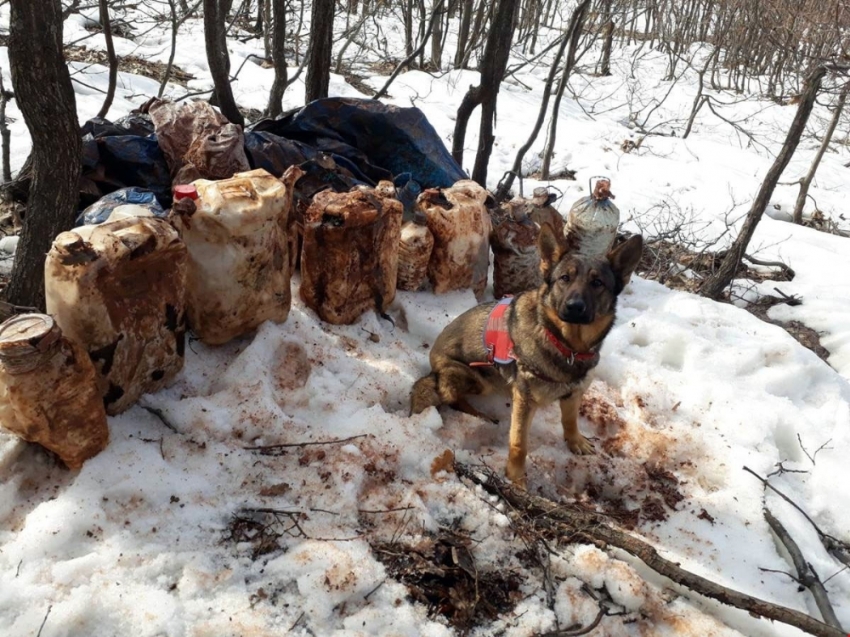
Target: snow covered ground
[(141, 541)]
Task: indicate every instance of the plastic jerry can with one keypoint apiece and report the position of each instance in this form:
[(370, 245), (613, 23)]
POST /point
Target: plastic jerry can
[(48, 390), (238, 270), (460, 222), (349, 258), (119, 289)]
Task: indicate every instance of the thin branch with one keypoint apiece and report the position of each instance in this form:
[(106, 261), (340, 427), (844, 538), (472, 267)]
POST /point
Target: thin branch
[(806, 574), (272, 450)]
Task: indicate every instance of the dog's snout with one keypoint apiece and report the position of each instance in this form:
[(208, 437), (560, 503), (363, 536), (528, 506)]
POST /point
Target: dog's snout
[(576, 306)]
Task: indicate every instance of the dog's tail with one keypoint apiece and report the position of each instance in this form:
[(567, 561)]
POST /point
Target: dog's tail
[(424, 394)]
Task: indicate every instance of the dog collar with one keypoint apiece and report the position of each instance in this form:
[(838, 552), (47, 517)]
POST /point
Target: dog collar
[(572, 355)]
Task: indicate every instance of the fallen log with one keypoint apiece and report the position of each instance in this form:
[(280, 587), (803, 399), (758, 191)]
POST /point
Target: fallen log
[(587, 526)]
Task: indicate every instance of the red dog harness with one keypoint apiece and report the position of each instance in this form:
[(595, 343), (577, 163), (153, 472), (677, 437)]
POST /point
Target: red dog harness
[(500, 347)]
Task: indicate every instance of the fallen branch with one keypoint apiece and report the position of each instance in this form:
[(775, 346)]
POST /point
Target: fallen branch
[(772, 264), (839, 549), (274, 450), (806, 574), (591, 527)]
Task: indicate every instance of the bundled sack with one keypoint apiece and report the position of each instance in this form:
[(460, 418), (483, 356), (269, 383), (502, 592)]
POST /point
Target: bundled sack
[(543, 211), (238, 270), (593, 220), (48, 390), (516, 259), (460, 223), (126, 200), (118, 289), (349, 260), (198, 142)]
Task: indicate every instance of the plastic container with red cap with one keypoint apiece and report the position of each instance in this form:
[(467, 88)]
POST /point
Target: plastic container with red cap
[(185, 191)]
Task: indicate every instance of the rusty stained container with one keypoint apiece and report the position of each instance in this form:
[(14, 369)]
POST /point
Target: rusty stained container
[(238, 270), (516, 258), (349, 258), (119, 289), (48, 390), (593, 221), (414, 254), (460, 222)]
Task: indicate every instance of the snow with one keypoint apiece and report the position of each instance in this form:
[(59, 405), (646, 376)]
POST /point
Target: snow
[(139, 541)]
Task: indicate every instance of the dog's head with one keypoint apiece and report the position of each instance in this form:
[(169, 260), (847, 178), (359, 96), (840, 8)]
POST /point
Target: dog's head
[(581, 289)]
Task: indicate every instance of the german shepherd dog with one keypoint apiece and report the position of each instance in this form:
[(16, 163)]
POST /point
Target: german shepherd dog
[(556, 332)]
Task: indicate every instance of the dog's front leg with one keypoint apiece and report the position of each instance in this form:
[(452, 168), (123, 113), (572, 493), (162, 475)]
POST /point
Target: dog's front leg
[(522, 414), (577, 443)]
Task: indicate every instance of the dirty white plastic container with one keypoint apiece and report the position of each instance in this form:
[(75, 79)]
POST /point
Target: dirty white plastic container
[(48, 390), (118, 289), (238, 270), (460, 223)]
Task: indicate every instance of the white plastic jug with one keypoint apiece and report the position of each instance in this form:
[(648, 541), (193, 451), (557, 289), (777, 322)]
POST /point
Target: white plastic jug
[(238, 271)]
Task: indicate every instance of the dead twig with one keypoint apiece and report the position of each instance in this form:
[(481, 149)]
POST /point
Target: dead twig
[(839, 549), (806, 574), (572, 632), (589, 527), (276, 450), (44, 621)]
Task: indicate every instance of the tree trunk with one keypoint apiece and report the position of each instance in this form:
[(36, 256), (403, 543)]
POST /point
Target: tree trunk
[(113, 59), (407, 11), (215, 37), (321, 43), (718, 282), (275, 107), (493, 63), (576, 24), (607, 40), (807, 180), (267, 25), (259, 23), (5, 133), (44, 94), (463, 31), (175, 26), (437, 43)]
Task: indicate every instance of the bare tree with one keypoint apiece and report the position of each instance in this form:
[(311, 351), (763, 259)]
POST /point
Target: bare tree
[(717, 283), (44, 94), (319, 55), (5, 133), (215, 37), (278, 58), (493, 63), (576, 22), (806, 181), (106, 25)]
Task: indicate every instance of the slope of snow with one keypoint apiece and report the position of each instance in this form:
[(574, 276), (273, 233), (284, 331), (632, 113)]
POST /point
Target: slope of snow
[(140, 541)]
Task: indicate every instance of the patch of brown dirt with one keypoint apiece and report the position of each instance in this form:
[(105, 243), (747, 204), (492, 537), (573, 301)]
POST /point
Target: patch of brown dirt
[(806, 336), (128, 64), (441, 573)]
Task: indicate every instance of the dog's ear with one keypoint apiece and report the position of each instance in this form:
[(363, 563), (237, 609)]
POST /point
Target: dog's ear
[(552, 248), (624, 259)]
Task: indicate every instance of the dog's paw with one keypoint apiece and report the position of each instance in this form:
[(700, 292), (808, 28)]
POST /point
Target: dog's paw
[(516, 477), (581, 446)]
